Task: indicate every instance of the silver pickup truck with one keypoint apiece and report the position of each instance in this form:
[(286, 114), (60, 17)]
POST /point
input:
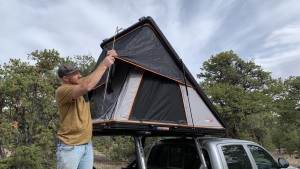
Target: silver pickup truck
[(208, 153)]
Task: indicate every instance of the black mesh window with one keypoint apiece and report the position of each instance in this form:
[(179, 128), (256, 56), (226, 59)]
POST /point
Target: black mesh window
[(236, 157), (262, 158)]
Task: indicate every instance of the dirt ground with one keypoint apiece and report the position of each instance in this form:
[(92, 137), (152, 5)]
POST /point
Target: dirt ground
[(102, 162), (294, 162)]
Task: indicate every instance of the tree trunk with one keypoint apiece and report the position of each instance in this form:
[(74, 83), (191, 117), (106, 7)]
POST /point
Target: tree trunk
[(2, 152)]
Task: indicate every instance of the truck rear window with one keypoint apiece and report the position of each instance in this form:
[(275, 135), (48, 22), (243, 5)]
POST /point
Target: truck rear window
[(173, 156)]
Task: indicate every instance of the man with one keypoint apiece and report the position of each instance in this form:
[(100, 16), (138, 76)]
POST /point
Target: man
[(74, 147)]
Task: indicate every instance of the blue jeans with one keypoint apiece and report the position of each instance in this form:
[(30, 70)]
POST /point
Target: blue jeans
[(75, 157)]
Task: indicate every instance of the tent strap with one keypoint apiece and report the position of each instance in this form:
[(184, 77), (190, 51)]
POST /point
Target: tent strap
[(187, 93)]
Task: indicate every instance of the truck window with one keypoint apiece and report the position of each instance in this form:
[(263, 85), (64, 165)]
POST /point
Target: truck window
[(262, 158), (236, 157), (173, 156)]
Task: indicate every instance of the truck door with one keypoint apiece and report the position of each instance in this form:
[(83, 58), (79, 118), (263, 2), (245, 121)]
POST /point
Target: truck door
[(262, 158), (235, 157)]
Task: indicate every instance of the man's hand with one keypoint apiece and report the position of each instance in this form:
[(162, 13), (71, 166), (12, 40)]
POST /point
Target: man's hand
[(91, 80), (110, 58)]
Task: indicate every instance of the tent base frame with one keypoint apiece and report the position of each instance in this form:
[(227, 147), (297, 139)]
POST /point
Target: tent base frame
[(121, 128)]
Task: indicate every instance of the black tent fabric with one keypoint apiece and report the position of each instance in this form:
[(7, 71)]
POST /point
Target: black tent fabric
[(149, 89), (101, 105), (158, 99), (144, 49)]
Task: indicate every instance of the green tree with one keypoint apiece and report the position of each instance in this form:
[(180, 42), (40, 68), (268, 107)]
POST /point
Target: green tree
[(120, 148), (28, 94), (86, 64), (117, 148), (28, 119), (239, 91), (287, 133), (24, 157)]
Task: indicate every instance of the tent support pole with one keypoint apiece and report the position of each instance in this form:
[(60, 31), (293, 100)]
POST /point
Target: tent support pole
[(138, 140), (200, 152)]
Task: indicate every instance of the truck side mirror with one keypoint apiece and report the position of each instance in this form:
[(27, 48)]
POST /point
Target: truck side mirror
[(283, 163)]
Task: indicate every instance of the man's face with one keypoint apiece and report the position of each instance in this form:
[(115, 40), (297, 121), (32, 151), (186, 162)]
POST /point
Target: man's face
[(73, 78)]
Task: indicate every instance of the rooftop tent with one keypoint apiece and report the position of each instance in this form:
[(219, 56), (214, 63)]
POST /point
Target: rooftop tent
[(150, 89)]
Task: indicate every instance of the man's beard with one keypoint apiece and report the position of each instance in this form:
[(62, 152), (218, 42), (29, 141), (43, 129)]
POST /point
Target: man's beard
[(75, 82)]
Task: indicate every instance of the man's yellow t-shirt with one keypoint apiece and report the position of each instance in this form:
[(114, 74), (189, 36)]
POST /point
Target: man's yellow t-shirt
[(75, 117)]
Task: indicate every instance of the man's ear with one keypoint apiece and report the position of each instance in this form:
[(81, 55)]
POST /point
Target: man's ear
[(65, 78)]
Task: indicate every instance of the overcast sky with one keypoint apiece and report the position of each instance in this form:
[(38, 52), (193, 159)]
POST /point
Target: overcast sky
[(266, 31)]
